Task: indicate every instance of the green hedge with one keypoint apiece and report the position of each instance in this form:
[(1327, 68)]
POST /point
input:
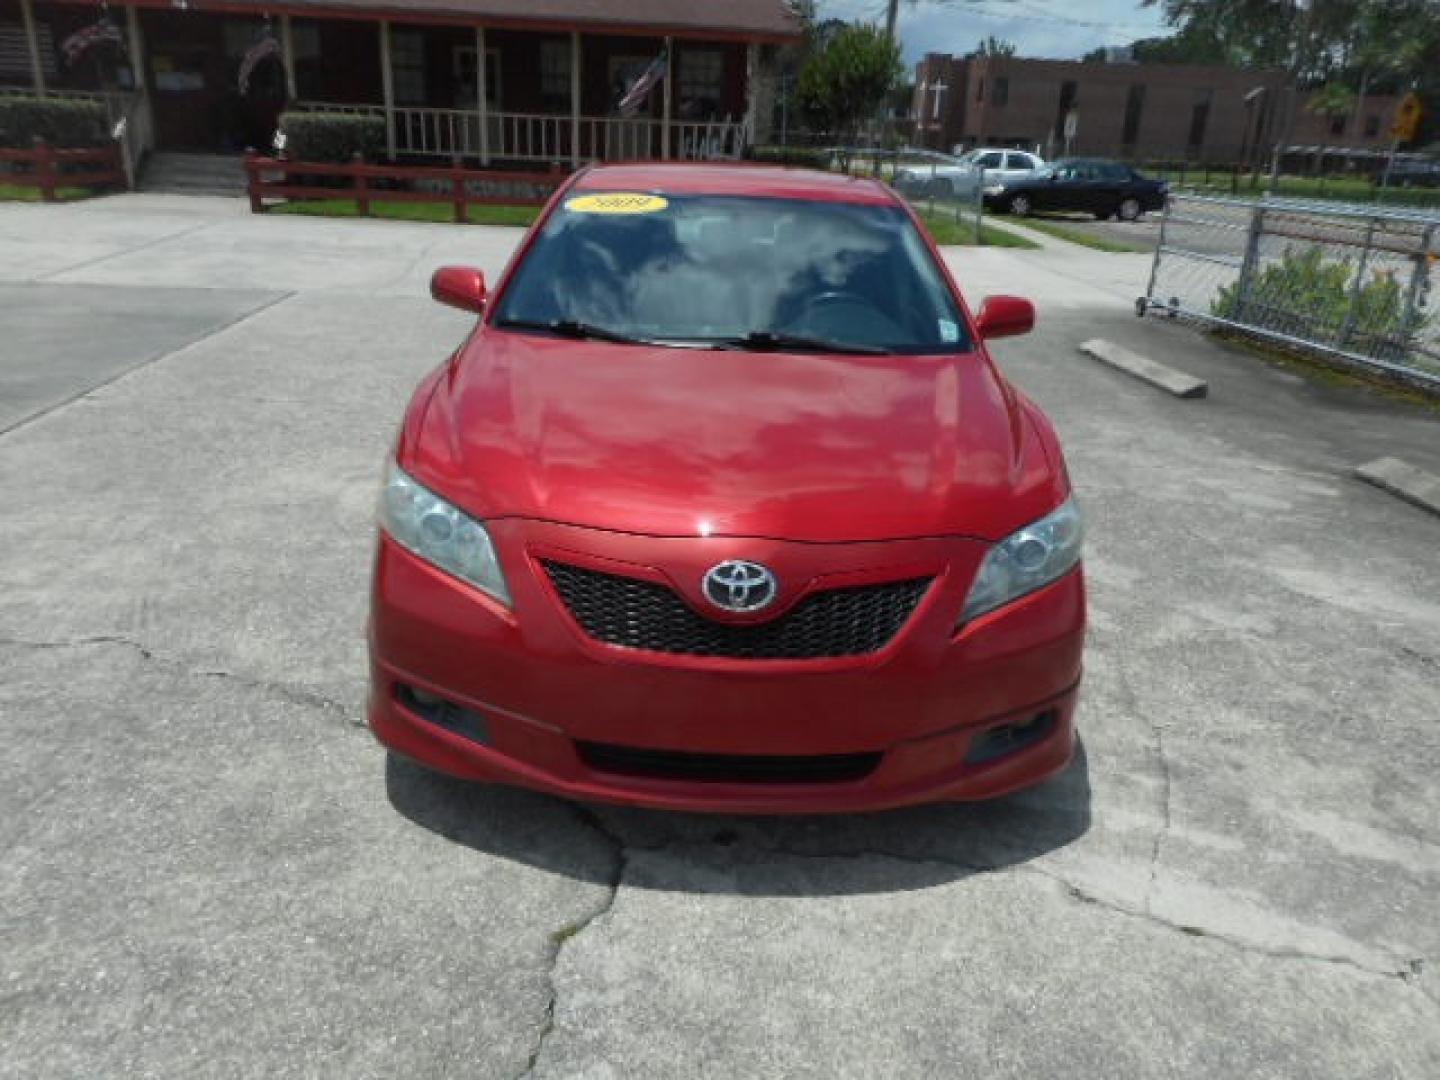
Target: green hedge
[(805, 157), (332, 137), (70, 122), (1314, 298)]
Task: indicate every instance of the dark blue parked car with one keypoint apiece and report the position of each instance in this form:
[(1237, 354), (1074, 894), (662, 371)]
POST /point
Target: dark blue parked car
[(1103, 188)]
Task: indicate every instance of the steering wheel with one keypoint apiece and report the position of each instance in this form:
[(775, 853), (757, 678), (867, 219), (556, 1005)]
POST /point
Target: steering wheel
[(837, 296)]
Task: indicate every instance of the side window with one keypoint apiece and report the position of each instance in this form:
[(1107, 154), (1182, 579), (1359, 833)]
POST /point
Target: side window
[(555, 74), (407, 58), (1018, 161), (701, 83), (990, 161)]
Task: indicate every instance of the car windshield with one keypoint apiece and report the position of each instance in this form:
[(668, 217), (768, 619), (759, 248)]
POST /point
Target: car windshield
[(734, 271)]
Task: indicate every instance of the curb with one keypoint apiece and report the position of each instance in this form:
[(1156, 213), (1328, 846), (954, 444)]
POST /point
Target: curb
[(1146, 370), (1404, 480)]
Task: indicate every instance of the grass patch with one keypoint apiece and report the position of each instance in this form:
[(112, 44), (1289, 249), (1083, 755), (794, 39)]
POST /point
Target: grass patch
[(1328, 371), (946, 230), (942, 225), (1352, 189), (476, 213), (26, 193), (1064, 229)]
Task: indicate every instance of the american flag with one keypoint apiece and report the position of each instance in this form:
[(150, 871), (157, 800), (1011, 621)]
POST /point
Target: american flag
[(265, 45), (641, 87), (87, 37)]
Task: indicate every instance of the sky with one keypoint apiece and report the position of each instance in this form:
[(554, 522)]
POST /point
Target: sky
[(1056, 29)]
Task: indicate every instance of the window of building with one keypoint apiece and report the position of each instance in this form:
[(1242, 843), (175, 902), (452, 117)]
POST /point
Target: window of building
[(1372, 126), (1134, 110), (407, 65), (15, 51), (1065, 104), (700, 83), (309, 64), (979, 89), (555, 75), (466, 76), (1200, 118), (1000, 92), (1337, 125)]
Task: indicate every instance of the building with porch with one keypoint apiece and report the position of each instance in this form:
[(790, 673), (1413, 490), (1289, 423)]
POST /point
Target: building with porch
[(492, 81)]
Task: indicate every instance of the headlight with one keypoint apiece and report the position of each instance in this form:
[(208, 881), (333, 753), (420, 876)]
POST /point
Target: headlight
[(994, 189), (1024, 561), (425, 524)]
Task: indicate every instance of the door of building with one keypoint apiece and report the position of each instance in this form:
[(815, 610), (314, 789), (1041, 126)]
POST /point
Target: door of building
[(194, 63)]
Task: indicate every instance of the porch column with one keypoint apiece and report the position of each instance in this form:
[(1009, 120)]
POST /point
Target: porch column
[(135, 45), (752, 77), (665, 99), (37, 69), (575, 99), (287, 45), (387, 85), (480, 103)]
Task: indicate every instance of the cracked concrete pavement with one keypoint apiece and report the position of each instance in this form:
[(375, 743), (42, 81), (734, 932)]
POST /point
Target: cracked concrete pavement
[(209, 868)]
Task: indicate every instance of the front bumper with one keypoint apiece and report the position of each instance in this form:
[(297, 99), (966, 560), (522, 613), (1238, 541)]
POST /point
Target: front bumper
[(539, 694)]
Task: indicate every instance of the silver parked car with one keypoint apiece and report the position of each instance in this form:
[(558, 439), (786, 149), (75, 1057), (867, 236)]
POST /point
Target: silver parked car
[(960, 176)]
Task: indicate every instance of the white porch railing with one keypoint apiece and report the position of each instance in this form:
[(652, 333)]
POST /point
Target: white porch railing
[(447, 133)]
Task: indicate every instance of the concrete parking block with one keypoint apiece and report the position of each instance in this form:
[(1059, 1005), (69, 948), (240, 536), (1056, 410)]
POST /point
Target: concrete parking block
[(1405, 480), (1145, 369)]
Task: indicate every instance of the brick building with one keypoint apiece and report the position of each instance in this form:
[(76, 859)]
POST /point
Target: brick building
[(1199, 112)]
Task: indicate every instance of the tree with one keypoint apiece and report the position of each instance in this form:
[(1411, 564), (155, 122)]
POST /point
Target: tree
[(992, 46), (1368, 45), (848, 79), (1333, 101)]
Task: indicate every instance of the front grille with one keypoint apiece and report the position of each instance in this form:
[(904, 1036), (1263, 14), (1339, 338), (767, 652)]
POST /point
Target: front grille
[(727, 768), (636, 614)]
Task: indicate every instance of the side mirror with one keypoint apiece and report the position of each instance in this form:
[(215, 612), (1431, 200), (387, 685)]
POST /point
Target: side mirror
[(1004, 316), (461, 287)]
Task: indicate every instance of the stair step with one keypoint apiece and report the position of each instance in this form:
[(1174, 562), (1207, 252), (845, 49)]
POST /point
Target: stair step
[(194, 174)]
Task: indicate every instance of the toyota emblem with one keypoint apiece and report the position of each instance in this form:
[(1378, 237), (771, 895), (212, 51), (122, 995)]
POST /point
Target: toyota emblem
[(737, 585)]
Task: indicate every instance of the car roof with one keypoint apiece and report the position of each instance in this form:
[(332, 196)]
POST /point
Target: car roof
[(734, 178)]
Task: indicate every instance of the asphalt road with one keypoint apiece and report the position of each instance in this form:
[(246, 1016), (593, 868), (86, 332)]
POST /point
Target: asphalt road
[(209, 868)]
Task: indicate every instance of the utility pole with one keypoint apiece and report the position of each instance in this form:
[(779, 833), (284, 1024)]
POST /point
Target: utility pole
[(892, 9), (1299, 59)]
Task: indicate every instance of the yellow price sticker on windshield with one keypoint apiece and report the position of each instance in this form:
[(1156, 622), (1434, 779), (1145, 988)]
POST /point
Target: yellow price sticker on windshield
[(616, 202)]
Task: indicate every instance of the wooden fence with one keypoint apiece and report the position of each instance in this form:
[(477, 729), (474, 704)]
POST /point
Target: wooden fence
[(53, 167), (361, 183)]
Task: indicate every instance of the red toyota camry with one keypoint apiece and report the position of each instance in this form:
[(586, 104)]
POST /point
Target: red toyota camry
[(722, 505)]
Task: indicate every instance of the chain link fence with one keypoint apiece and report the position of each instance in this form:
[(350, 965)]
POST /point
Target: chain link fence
[(936, 184), (1354, 283)]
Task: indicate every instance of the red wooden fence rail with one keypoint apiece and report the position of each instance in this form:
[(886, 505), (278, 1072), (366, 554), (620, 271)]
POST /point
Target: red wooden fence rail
[(270, 178), (46, 163)]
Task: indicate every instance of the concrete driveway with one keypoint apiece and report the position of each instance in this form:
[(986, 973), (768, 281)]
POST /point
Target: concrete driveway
[(209, 867)]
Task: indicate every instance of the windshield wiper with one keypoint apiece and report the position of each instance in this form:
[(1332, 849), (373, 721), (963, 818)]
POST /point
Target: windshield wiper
[(572, 329), (773, 340)]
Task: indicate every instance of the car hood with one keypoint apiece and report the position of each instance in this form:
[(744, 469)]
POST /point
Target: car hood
[(685, 442)]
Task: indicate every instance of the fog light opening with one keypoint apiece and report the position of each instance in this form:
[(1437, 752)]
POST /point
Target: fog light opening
[(1005, 739), (446, 714)]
